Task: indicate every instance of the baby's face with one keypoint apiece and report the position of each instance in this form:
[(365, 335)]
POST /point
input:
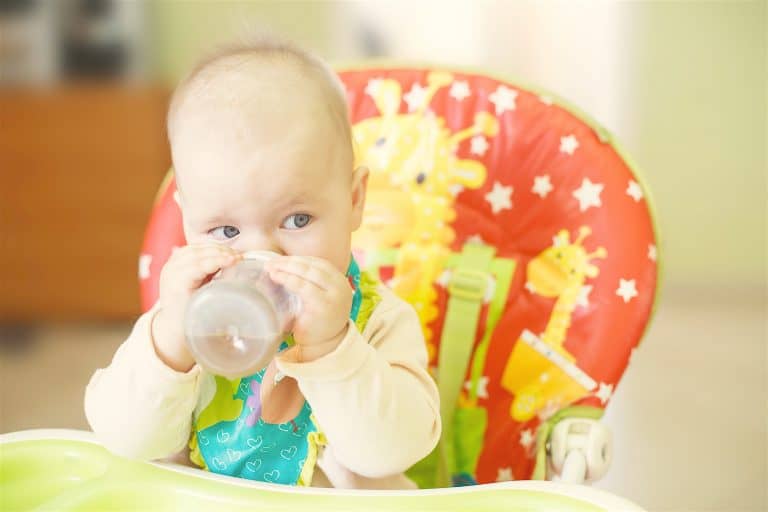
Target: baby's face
[(274, 180)]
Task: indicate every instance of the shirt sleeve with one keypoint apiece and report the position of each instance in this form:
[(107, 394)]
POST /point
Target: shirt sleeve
[(373, 397), (138, 406)]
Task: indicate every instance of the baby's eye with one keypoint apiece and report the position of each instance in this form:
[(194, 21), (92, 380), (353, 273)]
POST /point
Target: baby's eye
[(296, 221), (223, 233)]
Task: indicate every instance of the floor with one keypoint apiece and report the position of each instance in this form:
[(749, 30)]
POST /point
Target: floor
[(689, 418)]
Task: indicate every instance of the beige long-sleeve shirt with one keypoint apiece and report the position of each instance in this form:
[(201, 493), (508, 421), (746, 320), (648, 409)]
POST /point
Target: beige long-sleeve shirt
[(376, 402)]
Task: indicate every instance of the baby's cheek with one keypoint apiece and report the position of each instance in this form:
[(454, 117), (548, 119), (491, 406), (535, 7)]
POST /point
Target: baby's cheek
[(328, 244), (308, 245), (193, 239)]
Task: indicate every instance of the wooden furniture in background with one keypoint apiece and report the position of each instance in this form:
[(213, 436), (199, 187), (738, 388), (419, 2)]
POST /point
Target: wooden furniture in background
[(79, 168)]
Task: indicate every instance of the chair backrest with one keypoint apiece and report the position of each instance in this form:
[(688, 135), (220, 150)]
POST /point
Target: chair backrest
[(520, 233)]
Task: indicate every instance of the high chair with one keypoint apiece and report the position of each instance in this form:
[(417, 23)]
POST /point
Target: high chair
[(525, 240)]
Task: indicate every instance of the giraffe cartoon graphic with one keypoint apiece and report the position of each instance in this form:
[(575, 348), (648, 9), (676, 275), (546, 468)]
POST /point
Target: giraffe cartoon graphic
[(414, 178), (540, 372)]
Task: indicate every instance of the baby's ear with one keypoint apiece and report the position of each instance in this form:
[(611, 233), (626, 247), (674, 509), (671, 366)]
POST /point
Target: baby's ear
[(359, 187), (177, 194)]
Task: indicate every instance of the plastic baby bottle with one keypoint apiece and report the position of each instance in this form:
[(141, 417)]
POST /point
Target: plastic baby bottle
[(235, 324)]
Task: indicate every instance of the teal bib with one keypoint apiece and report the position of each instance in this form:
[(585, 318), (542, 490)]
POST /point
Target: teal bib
[(230, 438)]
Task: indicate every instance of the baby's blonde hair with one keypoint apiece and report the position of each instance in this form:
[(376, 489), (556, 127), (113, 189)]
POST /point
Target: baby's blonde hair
[(270, 50)]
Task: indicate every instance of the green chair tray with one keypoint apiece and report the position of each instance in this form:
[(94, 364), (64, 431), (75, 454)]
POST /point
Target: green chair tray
[(69, 470)]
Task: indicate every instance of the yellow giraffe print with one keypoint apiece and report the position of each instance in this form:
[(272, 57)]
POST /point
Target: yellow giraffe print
[(414, 178), (540, 372)]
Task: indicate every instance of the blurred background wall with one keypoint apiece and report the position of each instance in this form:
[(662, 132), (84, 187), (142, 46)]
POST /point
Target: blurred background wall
[(682, 85)]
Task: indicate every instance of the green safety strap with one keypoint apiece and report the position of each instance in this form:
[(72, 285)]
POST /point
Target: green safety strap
[(472, 269), (502, 269), (467, 289)]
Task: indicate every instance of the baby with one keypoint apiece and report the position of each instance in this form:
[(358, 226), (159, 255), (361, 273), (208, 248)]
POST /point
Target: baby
[(262, 151)]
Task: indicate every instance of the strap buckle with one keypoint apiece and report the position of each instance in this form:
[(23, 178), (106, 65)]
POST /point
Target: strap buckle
[(468, 284)]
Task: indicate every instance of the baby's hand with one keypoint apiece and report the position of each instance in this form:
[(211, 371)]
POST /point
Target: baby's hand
[(326, 298), (186, 270)]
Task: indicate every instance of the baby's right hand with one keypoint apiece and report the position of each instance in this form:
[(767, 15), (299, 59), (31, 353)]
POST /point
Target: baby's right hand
[(186, 270)]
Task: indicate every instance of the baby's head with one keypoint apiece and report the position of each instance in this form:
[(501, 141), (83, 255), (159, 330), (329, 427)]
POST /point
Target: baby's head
[(262, 152)]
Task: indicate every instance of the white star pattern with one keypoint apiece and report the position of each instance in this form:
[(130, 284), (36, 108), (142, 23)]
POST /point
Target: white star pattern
[(605, 392), (459, 90), (529, 286), (588, 194), (568, 144), (479, 145), (504, 99), (542, 186), (475, 239), (627, 289), (415, 97), (500, 198), (455, 189), (583, 298), (526, 438), (444, 279), (482, 386), (145, 260), (651, 252), (372, 87), (634, 190), (504, 474)]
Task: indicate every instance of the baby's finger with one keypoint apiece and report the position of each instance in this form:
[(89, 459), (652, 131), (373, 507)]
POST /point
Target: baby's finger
[(296, 284), (211, 245), (196, 271), (300, 268), (188, 255), (196, 252), (321, 264)]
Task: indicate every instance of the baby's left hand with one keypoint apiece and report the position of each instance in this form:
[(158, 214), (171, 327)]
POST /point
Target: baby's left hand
[(326, 299)]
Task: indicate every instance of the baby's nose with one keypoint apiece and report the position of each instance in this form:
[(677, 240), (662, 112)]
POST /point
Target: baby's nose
[(260, 242)]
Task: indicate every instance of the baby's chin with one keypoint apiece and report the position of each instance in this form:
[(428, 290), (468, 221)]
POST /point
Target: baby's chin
[(339, 259)]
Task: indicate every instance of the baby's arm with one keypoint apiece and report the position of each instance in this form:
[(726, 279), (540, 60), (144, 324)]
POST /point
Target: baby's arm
[(137, 406), (372, 396), (141, 405)]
